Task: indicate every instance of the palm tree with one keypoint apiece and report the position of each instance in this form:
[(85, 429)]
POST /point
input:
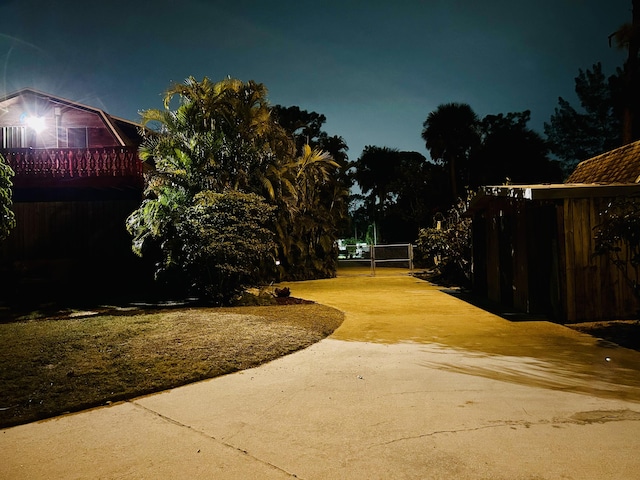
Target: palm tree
[(312, 203), (337, 148), (450, 133), (221, 138), (375, 171), (218, 139), (223, 131)]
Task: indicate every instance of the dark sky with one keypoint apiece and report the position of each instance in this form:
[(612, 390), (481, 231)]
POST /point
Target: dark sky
[(374, 68)]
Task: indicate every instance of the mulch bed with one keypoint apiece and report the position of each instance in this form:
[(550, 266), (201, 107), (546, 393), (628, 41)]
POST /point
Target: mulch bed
[(292, 301)]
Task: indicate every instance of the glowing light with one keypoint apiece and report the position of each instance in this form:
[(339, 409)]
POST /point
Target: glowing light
[(36, 123)]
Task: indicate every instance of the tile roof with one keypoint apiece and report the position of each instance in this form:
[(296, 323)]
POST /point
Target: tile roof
[(621, 165)]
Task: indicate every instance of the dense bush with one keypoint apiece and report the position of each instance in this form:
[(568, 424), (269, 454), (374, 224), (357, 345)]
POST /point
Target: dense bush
[(227, 245), (7, 218), (446, 247), (226, 192), (618, 237)]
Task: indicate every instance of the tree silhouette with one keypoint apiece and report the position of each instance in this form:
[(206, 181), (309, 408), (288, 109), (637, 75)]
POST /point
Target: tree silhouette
[(628, 37), (577, 135), (308, 242), (400, 190), (450, 134), (512, 152)]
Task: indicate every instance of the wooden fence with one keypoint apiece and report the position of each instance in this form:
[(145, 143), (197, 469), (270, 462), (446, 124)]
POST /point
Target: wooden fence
[(594, 287), (69, 248), (539, 257)]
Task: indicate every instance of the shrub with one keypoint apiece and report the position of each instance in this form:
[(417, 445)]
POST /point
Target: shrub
[(7, 218), (618, 237), (446, 247), (226, 244)]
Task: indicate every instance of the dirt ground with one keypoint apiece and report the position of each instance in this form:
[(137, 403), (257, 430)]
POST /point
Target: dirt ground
[(625, 333)]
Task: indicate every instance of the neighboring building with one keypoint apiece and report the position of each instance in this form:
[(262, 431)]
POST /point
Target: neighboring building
[(533, 245), (78, 177)]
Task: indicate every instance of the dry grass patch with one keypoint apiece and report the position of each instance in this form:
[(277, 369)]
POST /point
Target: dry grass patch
[(51, 366)]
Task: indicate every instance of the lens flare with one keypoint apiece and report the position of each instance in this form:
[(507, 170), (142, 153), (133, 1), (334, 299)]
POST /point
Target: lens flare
[(36, 123)]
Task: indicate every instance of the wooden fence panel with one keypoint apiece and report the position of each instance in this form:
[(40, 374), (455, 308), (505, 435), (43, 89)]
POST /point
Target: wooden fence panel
[(595, 288), (493, 258), (521, 294), (77, 245)]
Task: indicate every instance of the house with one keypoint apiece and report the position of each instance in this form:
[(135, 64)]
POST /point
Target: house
[(77, 178), (533, 245)]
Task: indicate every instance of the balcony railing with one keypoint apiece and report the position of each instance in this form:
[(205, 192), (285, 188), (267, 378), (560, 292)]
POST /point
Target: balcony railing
[(73, 162), (63, 168)]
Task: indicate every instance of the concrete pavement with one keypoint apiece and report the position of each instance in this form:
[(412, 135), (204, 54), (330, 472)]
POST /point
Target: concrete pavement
[(415, 384)]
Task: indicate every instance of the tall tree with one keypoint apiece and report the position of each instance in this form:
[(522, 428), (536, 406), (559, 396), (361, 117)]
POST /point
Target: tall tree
[(512, 152), (312, 205), (332, 191), (220, 151), (575, 135), (374, 172), (306, 127), (451, 133), (628, 37), (399, 191), (418, 192), (218, 141)]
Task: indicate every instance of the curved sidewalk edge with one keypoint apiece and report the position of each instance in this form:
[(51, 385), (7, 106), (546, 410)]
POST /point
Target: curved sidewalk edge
[(415, 384)]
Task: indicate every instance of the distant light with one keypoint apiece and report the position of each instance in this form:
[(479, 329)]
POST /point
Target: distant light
[(37, 124)]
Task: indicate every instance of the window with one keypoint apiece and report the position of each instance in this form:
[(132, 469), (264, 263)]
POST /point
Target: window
[(13, 137), (77, 138)]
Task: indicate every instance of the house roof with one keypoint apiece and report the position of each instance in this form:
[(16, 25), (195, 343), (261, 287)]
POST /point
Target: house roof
[(621, 165), (611, 174), (125, 131), (555, 191)]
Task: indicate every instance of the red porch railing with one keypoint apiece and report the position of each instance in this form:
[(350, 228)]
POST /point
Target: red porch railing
[(28, 163)]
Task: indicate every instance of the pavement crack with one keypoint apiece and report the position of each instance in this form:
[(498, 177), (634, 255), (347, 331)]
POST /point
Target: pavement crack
[(440, 432), (580, 418), (211, 437)]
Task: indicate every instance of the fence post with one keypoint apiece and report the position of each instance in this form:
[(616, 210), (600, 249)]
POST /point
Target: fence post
[(372, 250), (411, 257)]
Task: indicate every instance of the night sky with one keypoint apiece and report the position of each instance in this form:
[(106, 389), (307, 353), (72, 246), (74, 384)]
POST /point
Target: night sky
[(374, 68)]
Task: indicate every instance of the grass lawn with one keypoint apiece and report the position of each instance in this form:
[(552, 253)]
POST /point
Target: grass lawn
[(49, 366)]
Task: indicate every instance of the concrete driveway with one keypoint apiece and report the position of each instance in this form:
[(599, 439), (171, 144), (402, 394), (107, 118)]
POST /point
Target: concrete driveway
[(415, 384)]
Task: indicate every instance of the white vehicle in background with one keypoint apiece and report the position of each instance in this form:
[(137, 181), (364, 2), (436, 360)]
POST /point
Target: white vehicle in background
[(352, 251), (342, 249), (362, 251)]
